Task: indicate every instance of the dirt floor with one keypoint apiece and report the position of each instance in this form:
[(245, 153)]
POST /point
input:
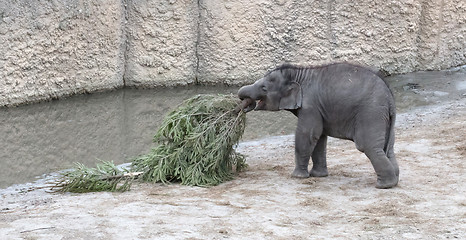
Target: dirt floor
[(264, 202)]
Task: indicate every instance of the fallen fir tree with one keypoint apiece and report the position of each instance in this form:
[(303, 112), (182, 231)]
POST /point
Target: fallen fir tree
[(194, 146)]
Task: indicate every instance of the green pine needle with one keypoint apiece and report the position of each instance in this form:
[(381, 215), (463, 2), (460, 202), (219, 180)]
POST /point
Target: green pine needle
[(195, 143), (194, 146), (104, 177)]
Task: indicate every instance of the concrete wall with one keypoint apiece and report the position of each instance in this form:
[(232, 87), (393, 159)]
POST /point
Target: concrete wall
[(56, 48), (161, 42), (241, 39), (53, 48)]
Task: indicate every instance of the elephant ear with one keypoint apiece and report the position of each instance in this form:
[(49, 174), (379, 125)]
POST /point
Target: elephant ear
[(293, 97)]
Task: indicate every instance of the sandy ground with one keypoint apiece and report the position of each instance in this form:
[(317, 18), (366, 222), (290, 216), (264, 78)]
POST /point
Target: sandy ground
[(264, 202)]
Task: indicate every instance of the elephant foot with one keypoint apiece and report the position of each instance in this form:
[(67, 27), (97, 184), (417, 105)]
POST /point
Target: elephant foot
[(386, 183), (319, 173), (300, 173)]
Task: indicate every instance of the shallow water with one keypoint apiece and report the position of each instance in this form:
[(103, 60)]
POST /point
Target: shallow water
[(115, 126)]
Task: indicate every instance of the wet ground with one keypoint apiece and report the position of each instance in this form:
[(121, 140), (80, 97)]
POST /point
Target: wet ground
[(41, 138)]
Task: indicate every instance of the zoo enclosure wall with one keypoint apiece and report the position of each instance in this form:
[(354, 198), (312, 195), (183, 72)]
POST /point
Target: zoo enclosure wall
[(50, 49)]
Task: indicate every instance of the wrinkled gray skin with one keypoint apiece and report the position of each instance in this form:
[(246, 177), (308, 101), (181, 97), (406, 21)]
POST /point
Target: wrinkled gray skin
[(338, 100)]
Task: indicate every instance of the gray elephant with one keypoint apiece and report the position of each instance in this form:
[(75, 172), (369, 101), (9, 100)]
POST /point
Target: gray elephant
[(339, 100)]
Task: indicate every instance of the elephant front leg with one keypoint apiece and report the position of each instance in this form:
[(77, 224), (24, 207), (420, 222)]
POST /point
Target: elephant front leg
[(319, 158), (302, 154), (305, 142)]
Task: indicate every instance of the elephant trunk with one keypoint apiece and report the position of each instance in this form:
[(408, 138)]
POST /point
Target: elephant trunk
[(246, 94)]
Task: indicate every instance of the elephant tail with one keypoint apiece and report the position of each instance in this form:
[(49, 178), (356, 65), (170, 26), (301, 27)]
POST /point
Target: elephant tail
[(390, 133)]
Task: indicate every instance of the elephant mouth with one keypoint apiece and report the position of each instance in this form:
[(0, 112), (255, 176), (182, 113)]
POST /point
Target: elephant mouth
[(249, 104), (260, 104)]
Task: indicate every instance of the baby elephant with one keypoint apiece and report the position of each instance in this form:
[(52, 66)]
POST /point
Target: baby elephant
[(339, 100)]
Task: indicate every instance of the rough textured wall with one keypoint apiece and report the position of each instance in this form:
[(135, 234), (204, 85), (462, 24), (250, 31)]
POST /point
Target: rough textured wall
[(242, 39), (60, 47), (239, 40), (161, 42), (441, 42), (54, 48)]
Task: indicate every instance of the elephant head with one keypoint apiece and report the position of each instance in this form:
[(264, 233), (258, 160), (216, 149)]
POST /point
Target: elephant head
[(277, 90)]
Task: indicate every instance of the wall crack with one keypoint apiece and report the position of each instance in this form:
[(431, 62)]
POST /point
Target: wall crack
[(124, 40), (198, 39)]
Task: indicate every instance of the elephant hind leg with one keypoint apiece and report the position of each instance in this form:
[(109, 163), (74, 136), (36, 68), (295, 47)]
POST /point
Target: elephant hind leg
[(393, 161), (386, 173), (371, 140)]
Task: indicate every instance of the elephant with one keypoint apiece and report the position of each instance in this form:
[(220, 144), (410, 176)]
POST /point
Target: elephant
[(340, 100)]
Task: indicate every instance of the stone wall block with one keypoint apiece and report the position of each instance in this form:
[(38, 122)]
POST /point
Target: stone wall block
[(239, 40), (161, 43), (381, 34), (53, 48)]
